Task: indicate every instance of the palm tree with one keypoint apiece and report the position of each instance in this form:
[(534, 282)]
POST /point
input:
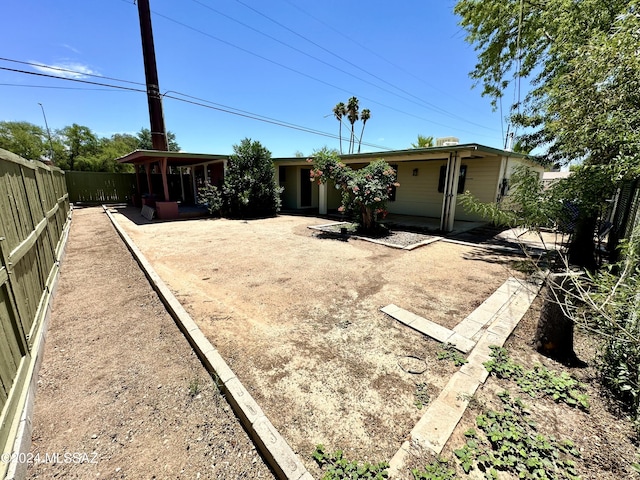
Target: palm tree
[(364, 116), (339, 111), (423, 142), (352, 115)]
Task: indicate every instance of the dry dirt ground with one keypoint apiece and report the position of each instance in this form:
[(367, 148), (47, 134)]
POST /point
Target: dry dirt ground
[(120, 390), (296, 315)]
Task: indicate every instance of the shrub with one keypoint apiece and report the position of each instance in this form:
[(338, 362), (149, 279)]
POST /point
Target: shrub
[(211, 197), (249, 188), (364, 192)]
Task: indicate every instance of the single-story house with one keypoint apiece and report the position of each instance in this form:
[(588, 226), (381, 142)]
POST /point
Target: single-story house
[(430, 180)]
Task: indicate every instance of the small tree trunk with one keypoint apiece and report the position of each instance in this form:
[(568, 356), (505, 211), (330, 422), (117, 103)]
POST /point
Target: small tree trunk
[(367, 218), (582, 250), (554, 335)]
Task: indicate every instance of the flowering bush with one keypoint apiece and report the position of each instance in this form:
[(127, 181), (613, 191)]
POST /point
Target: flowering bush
[(364, 191)]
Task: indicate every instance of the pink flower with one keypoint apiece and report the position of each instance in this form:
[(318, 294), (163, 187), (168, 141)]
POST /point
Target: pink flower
[(341, 208), (356, 188), (309, 160), (377, 199)]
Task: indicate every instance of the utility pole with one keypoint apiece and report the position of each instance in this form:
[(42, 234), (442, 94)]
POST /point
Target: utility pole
[(158, 132)]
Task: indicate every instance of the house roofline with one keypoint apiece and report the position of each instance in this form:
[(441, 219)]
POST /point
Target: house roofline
[(141, 156), (474, 147)]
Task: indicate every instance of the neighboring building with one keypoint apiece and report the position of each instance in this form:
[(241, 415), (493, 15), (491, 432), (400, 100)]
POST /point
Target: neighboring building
[(430, 180), (549, 178)]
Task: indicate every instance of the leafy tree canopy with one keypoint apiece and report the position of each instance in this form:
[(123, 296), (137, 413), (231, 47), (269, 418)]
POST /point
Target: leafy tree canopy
[(144, 140), (423, 142), (250, 188), (581, 58), (75, 147), (24, 139)]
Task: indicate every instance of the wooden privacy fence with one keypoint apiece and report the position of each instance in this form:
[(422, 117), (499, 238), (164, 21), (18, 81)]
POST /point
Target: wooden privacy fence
[(34, 216), (102, 187)]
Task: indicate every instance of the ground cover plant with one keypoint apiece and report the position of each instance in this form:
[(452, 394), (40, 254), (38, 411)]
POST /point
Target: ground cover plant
[(507, 441), (337, 467)]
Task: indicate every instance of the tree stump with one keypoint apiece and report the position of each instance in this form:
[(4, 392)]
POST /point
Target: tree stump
[(554, 335)]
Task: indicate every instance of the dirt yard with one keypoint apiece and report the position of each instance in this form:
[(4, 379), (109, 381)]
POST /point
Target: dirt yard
[(296, 315), (297, 318), (120, 387)]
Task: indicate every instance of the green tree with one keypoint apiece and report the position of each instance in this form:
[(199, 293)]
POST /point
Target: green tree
[(353, 114), (249, 188), (80, 145), (109, 149), (581, 58), (423, 142), (364, 191), (24, 139), (144, 140), (339, 111)]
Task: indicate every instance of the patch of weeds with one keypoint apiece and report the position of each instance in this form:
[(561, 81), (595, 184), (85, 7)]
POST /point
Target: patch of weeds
[(422, 396), (508, 442), (526, 266), (194, 386), (562, 387), (436, 470), (449, 352), (339, 468)]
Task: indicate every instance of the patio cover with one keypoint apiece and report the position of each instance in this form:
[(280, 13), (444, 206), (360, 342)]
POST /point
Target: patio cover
[(165, 160)]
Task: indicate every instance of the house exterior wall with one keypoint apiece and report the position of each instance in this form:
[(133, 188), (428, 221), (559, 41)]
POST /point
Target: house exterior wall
[(289, 195), (418, 195), (481, 181), (292, 182)]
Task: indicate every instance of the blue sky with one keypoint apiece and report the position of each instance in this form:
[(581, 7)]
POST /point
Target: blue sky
[(289, 60)]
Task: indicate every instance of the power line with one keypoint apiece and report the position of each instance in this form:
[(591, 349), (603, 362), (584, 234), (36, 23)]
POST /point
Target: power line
[(54, 87), (424, 102), (60, 69), (225, 42), (72, 79), (221, 108), (364, 47)]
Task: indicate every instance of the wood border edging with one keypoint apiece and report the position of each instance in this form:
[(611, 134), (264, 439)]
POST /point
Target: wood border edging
[(272, 446)]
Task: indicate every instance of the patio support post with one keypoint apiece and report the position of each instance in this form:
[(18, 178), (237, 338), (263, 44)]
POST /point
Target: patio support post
[(165, 183), (322, 199), (195, 187), (181, 185), (450, 193), (137, 167), (206, 174), (147, 169)]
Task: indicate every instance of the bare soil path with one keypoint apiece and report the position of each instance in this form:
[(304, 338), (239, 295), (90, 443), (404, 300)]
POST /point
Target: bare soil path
[(119, 384)]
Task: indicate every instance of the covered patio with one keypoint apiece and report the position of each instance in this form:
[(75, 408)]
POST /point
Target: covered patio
[(204, 168)]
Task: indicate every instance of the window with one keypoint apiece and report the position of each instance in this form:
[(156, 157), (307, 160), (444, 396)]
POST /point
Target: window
[(282, 174), (461, 179)]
